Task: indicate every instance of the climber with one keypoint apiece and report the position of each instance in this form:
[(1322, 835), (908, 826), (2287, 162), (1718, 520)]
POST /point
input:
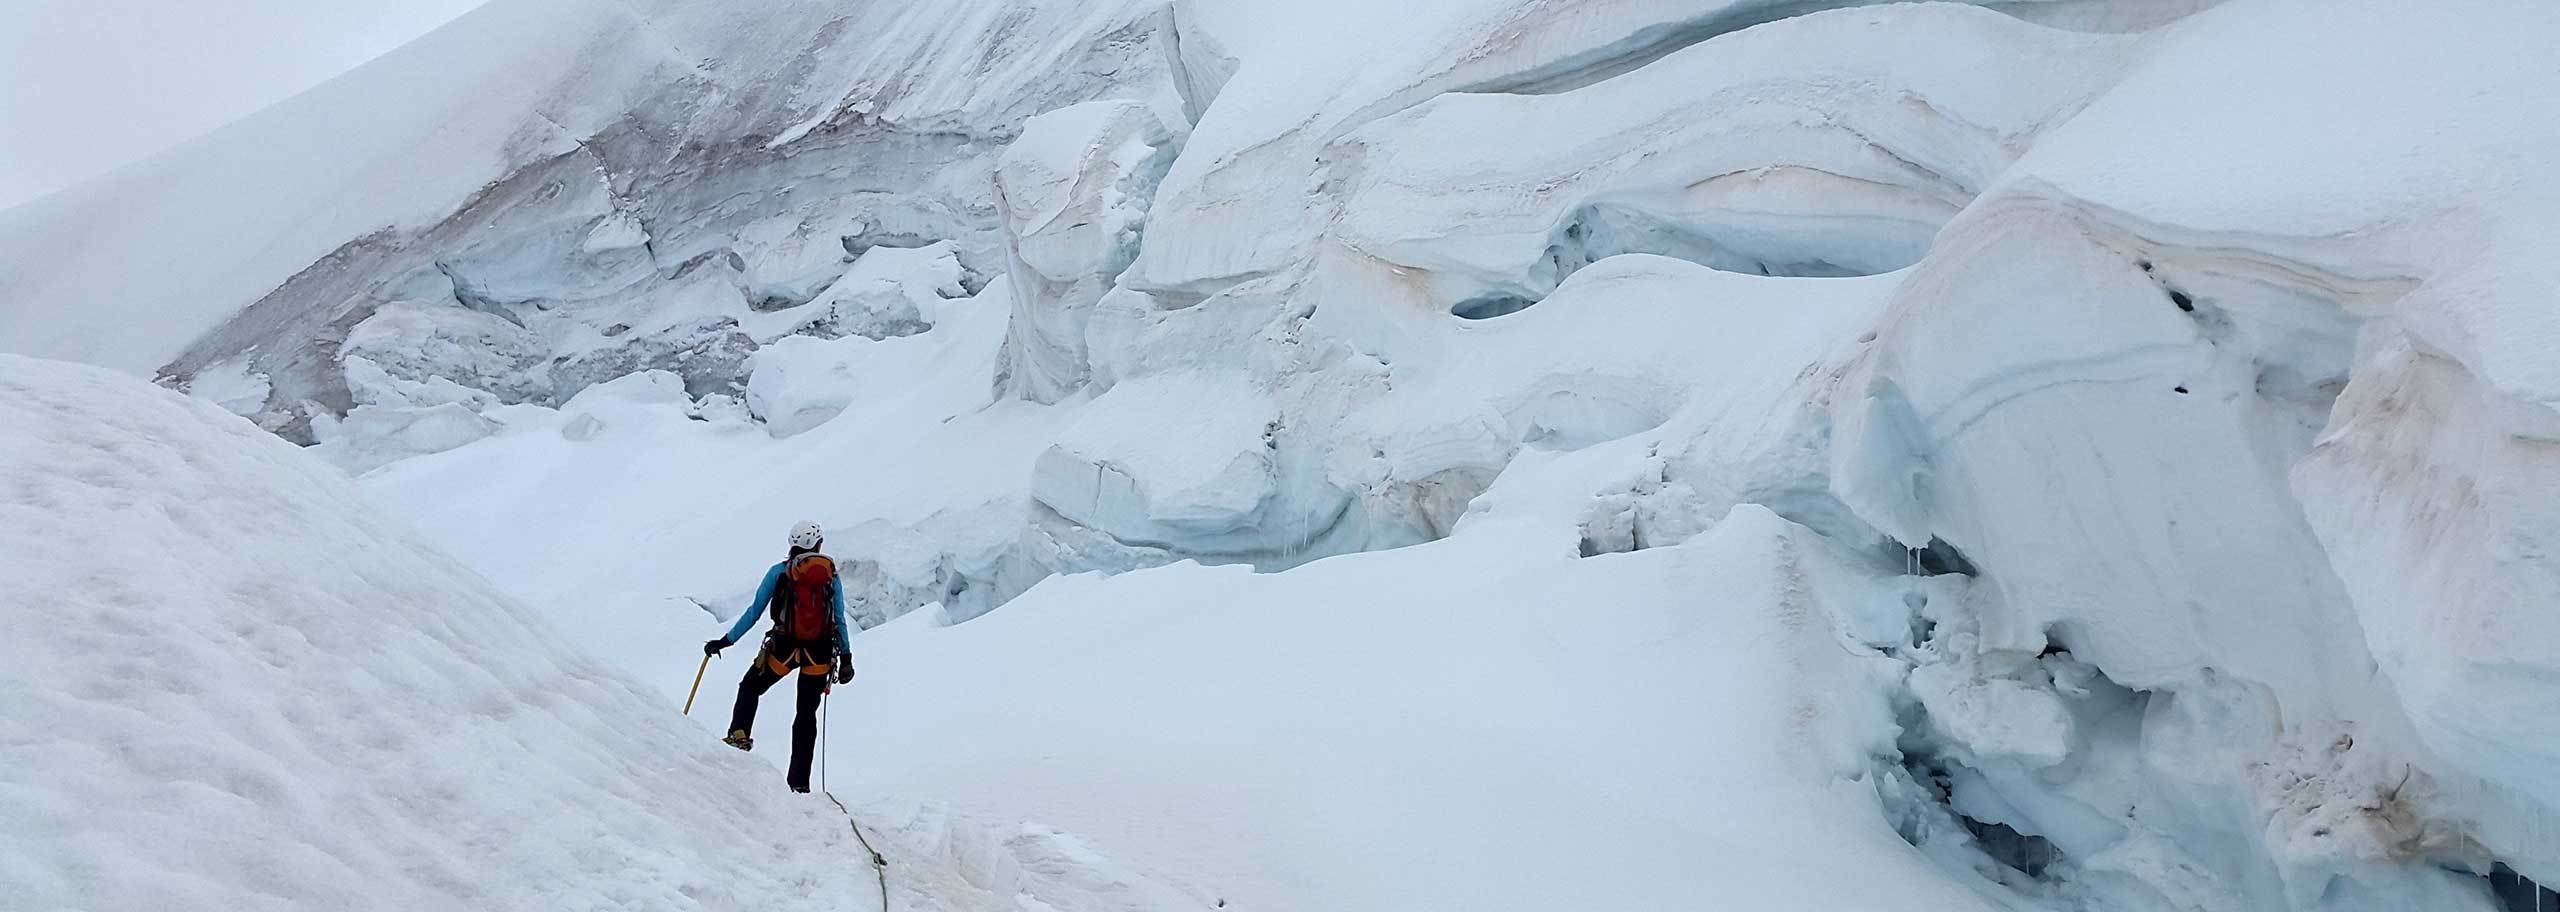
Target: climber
[(807, 603)]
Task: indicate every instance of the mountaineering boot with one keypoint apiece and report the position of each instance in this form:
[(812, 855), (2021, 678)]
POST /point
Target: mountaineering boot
[(802, 789), (742, 717)]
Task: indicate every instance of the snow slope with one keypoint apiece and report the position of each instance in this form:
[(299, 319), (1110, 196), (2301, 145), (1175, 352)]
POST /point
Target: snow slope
[(231, 684)]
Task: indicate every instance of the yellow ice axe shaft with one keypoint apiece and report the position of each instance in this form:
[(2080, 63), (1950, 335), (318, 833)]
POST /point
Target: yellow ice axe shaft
[(697, 683)]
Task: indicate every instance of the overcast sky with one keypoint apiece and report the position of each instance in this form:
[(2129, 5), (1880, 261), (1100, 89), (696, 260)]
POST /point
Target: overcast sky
[(86, 85)]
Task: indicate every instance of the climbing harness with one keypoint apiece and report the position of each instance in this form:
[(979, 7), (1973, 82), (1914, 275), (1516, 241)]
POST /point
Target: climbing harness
[(879, 865), (697, 684)]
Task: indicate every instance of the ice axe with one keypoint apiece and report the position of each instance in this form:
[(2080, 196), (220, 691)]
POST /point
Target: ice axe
[(697, 683)]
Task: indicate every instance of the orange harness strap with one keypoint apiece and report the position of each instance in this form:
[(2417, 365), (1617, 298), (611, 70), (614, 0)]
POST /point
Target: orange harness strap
[(799, 658)]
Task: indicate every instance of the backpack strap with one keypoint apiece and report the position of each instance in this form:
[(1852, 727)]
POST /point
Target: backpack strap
[(778, 609)]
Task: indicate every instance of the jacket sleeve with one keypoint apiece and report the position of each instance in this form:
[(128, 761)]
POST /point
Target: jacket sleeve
[(844, 639), (764, 595)]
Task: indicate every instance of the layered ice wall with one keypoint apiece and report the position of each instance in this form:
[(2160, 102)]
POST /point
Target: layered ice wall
[(2169, 387), (625, 187), (1704, 154), (1074, 190)]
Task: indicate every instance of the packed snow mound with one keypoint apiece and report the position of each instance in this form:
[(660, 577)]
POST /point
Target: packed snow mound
[(234, 685)]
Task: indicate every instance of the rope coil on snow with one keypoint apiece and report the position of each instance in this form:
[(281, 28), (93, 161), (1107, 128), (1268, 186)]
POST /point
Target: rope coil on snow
[(879, 865)]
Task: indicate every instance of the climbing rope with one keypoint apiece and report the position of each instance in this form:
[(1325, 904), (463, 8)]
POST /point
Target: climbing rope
[(879, 865)]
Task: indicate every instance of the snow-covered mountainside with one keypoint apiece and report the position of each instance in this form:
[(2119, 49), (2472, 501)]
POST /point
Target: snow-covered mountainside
[(2039, 454), (235, 685)]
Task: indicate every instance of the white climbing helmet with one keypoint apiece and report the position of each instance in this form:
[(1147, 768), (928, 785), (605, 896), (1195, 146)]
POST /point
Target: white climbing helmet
[(806, 535)]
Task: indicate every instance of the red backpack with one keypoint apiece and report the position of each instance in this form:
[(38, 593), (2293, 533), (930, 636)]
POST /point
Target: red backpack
[(801, 599)]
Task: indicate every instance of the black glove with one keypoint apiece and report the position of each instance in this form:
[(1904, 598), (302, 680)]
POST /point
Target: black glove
[(713, 647), (844, 669)]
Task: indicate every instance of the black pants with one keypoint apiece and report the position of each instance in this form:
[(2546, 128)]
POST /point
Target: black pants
[(772, 662)]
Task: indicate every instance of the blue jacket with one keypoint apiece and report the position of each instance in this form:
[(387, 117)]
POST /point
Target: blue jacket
[(764, 597)]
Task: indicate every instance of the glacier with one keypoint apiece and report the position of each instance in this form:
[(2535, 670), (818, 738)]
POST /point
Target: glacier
[(2058, 454)]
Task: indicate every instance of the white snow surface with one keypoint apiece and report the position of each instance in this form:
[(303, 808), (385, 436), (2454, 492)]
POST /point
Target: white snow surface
[(1473, 453), (938, 468), (233, 684), (1483, 722), (250, 690)]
